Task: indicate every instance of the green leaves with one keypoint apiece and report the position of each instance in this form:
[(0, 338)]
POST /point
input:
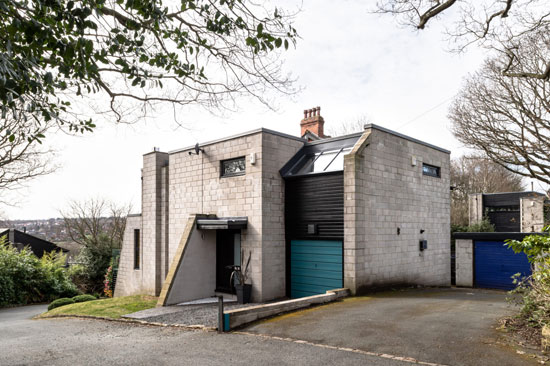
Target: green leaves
[(536, 247), (53, 46), (26, 279)]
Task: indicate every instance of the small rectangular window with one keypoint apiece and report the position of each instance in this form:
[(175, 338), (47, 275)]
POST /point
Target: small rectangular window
[(431, 170), (136, 248), (233, 167)]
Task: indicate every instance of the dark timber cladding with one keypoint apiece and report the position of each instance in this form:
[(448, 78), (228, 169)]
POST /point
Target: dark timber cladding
[(314, 215), (503, 210), (316, 203)]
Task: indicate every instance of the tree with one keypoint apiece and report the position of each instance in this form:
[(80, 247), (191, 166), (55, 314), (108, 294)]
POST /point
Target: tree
[(20, 158), (503, 109), (476, 173), (348, 127), (133, 54), (98, 226), (499, 26), (506, 118)]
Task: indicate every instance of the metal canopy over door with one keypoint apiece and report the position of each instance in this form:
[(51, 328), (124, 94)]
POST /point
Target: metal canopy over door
[(315, 267), (495, 264)]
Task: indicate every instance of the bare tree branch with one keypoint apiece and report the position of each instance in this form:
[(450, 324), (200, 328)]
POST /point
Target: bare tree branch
[(21, 157), (89, 222), (433, 12), (499, 26), (509, 118)]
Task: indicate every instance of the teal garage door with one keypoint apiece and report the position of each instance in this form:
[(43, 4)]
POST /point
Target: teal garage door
[(315, 267)]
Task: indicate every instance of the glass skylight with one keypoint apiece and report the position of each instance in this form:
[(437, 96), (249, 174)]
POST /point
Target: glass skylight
[(320, 157), (325, 161)]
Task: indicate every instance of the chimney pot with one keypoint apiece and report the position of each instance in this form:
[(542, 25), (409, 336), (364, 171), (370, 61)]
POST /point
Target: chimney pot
[(313, 122)]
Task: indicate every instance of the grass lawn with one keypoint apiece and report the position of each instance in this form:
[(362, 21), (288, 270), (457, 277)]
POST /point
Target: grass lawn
[(109, 308)]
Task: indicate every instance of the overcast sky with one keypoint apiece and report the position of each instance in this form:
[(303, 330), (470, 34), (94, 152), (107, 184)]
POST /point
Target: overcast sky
[(349, 62)]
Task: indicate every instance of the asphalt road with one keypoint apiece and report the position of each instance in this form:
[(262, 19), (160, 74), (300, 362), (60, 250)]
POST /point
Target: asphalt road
[(24, 341), (446, 326)]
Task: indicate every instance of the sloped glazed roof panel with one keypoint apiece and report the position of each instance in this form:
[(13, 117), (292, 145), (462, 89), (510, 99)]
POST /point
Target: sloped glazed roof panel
[(320, 157)]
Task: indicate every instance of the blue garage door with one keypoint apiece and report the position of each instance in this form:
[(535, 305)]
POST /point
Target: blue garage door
[(495, 264), (315, 267)]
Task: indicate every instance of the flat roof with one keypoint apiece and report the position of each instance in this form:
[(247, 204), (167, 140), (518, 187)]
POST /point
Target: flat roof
[(248, 133), (493, 236), (276, 133), (520, 193), (337, 138), (383, 129)]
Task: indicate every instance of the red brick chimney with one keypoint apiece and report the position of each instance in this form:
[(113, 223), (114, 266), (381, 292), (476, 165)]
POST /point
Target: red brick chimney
[(313, 122)]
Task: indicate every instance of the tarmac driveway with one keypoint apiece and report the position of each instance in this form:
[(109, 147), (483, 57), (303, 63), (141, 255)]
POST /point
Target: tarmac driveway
[(443, 326), (70, 342)]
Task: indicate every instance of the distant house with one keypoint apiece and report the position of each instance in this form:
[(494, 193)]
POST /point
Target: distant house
[(369, 209), (483, 259), (21, 239), (509, 212)]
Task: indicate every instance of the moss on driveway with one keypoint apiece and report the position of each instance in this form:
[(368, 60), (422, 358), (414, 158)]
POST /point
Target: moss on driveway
[(107, 308)]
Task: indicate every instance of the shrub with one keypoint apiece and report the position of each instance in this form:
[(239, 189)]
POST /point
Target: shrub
[(535, 290), (79, 276), (25, 279), (60, 302), (55, 281), (84, 298), (108, 282), (484, 226), (95, 258)]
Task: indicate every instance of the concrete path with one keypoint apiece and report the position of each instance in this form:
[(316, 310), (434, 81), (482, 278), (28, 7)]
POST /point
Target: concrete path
[(444, 326), (94, 342)]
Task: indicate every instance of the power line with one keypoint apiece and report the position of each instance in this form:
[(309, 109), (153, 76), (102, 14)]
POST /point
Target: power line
[(426, 112)]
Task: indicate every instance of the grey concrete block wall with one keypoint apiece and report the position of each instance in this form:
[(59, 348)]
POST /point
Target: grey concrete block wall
[(475, 208), (195, 186), (164, 243), (176, 185), (464, 262), (129, 280), (532, 214), (388, 202), (276, 152), (152, 218)]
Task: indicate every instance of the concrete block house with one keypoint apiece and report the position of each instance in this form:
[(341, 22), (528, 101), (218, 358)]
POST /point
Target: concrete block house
[(483, 259), (509, 212), (370, 209)]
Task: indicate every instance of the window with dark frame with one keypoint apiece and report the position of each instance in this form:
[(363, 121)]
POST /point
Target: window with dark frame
[(431, 170), (136, 248), (233, 167)]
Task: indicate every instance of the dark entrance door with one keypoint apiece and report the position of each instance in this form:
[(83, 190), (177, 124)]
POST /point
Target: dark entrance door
[(228, 249)]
